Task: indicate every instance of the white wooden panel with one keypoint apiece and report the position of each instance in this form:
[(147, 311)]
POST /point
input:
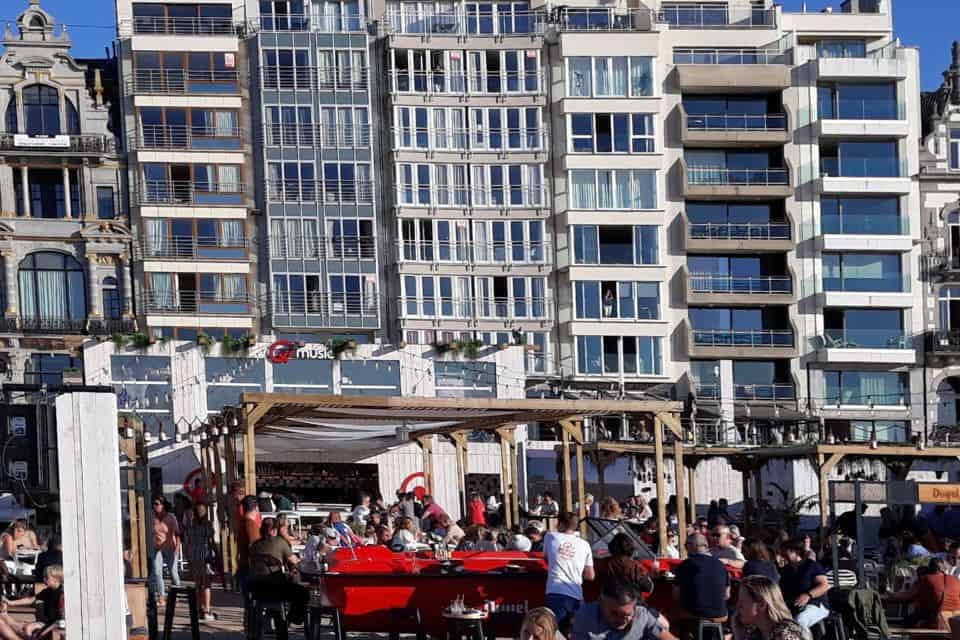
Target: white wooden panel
[(87, 453)]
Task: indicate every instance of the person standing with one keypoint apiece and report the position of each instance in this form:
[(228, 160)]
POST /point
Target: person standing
[(570, 562), (432, 514), (478, 510), (199, 542), (166, 540)]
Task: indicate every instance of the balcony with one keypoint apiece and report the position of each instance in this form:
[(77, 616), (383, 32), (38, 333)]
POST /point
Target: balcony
[(324, 248), (866, 176), (503, 141), (495, 23), (749, 433), (726, 129), (110, 326), (320, 191), (318, 135), (891, 291), (195, 247), (713, 16), (741, 343), (305, 78), (726, 70), (197, 303), (175, 26), (487, 309), (494, 254), (865, 125), (185, 194), (882, 346), (772, 392), (712, 289), (29, 324), (606, 20), (885, 63), (717, 183), (942, 266), (182, 82), (156, 137), (943, 345), (301, 22), (502, 198), (324, 309), (501, 84), (89, 144), (750, 237)]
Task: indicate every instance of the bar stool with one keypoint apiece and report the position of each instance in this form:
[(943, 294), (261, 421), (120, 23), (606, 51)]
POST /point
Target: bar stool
[(191, 595), (314, 623), (406, 620), (830, 628), (263, 610), (707, 630), (503, 621), (465, 629)]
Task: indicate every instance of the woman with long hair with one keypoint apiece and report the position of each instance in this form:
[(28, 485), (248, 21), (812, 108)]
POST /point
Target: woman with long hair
[(540, 624), (760, 561), (622, 566), (199, 544), (761, 613)]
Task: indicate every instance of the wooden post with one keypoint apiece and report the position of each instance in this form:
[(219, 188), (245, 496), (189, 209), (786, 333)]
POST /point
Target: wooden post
[(581, 490), (678, 473), (692, 491), (515, 474), (567, 479), (661, 489), (747, 513), (249, 455), (825, 467), (505, 480), (460, 445), (426, 448)]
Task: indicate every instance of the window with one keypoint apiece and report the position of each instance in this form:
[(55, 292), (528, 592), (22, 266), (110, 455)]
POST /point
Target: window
[(490, 72), (613, 189), (842, 49), (52, 290), (611, 133), (863, 272), (41, 107), (876, 101), (614, 355), (762, 380), (329, 16), (182, 19), (861, 160), (616, 76), (344, 127), (106, 208), (346, 183), (112, 303), (866, 388), (609, 244), (48, 369), (287, 69), (955, 149), (596, 300), (868, 215), (192, 183), (47, 193), (351, 239), (291, 181)]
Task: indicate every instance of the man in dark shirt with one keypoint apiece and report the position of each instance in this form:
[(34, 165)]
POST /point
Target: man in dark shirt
[(804, 585), (702, 588), (53, 555), (269, 556), (50, 609)]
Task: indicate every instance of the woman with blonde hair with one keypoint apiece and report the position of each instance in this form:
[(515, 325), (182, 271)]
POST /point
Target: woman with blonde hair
[(761, 613), (610, 509), (540, 624)]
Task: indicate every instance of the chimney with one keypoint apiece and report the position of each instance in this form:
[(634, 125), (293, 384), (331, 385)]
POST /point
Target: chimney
[(955, 75)]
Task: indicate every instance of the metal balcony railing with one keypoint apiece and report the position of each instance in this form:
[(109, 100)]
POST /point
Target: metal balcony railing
[(764, 392), (318, 135), (944, 341), (750, 285), (495, 23), (163, 25), (501, 140), (324, 247), (86, 143), (345, 23), (462, 83), (325, 78), (199, 247), (734, 56), (300, 303), (409, 195), (713, 16), (413, 307), (712, 433), (181, 192), (867, 339), (35, 324), (737, 177), (740, 231), (322, 191), (854, 397), (493, 253), (604, 19), (110, 326), (737, 122), (198, 302), (180, 81), (159, 136), (762, 338)]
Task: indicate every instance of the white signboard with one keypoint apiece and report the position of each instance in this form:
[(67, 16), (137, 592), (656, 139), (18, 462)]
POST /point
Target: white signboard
[(58, 142), (18, 426)]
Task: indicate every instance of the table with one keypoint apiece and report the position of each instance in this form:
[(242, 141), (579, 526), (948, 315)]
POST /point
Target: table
[(465, 625)]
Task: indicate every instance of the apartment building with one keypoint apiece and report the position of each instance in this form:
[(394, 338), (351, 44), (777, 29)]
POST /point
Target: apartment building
[(940, 196), (64, 231), (311, 92), (186, 117)]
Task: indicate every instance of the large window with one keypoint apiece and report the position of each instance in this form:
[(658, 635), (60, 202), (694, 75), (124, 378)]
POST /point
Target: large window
[(613, 189), (615, 244), (605, 77), (869, 216), (41, 106), (602, 299), (493, 185), (860, 160), (490, 72), (615, 355), (43, 368), (52, 289), (884, 388), (331, 15), (287, 69), (862, 272), (47, 193), (955, 149), (859, 102), (611, 133)]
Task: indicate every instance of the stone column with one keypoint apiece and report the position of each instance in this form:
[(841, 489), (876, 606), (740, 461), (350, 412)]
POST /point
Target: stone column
[(127, 286), (10, 285), (25, 191), (68, 205), (94, 302)]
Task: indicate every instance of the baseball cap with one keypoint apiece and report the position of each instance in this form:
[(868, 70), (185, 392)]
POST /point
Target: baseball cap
[(520, 543)]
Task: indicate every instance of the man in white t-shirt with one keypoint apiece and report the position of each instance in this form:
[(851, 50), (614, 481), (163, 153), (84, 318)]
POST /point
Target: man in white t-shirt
[(570, 562)]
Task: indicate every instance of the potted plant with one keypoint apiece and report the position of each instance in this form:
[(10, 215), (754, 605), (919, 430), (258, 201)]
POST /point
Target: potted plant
[(469, 348), (442, 348), (204, 340), (140, 340), (119, 339), (232, 345), (339, 346)]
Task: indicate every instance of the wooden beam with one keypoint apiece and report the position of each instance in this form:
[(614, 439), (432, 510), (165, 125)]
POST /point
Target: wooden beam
[(567, 480), (661, 480), (460, 450), (581, 491), (515, 474), (258, 411), (824, 468), (505, 480), (692, 491), (672, 422), (679, 471), (508, 434), (574, 428)]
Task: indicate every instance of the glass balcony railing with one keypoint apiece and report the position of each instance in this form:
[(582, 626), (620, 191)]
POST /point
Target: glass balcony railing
[(737, 177), (879, 225), (764, 392), (861, 168), (763, 338), (501, 20), (896, 283), (867, 339), (854, 396), (737, 122), (739, 230), (864, 110), (604, 19), (729, 56), (713, 16), (751, 285)]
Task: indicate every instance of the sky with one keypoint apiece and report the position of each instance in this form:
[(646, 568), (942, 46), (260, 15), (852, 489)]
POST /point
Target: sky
[(929, 24)]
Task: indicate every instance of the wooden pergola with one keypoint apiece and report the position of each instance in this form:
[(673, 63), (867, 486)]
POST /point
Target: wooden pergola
[(316, 422)]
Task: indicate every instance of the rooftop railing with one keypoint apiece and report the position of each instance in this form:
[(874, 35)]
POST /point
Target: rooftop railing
[(606, 19), (714, 16)]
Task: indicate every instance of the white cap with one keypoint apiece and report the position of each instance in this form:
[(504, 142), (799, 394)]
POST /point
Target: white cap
[(330, 533), (520, 543)]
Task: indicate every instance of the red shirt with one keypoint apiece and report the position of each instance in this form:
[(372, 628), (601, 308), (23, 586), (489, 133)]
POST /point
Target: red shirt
[(478, 512)]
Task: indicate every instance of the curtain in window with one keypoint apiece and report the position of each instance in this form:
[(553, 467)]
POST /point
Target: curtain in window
[(231, 232), (603, 77), (345, 126), (157, 237), (28, 295), (583, 189), (604, 189), (310, 239), (52, 294), (620, 76), (623, 198), (161, 290), (228, 177), (226, 124), (641, 77), (580, 77), (706, 167), (644, 189), (234, 287), (277, 239)]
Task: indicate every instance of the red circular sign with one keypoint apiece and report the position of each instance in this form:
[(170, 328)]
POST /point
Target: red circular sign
[(281, 351)]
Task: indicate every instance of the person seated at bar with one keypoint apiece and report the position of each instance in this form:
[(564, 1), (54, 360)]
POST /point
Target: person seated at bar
[(270, 556), (760, 561), (53, 555), (761, 613), (347, 537), (534, 531), (453, 533), (701, 590), (804, 585), (50, 609), (935, 597), (384, 535), (618, 615), (488, 541), (404, 538), (723, 548), (623, 567), (540, 624)]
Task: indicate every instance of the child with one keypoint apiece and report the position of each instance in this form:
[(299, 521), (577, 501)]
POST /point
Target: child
[(49, 613)]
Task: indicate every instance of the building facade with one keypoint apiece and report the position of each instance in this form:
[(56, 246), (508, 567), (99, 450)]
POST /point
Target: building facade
[(186, 118), (64, 232)]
